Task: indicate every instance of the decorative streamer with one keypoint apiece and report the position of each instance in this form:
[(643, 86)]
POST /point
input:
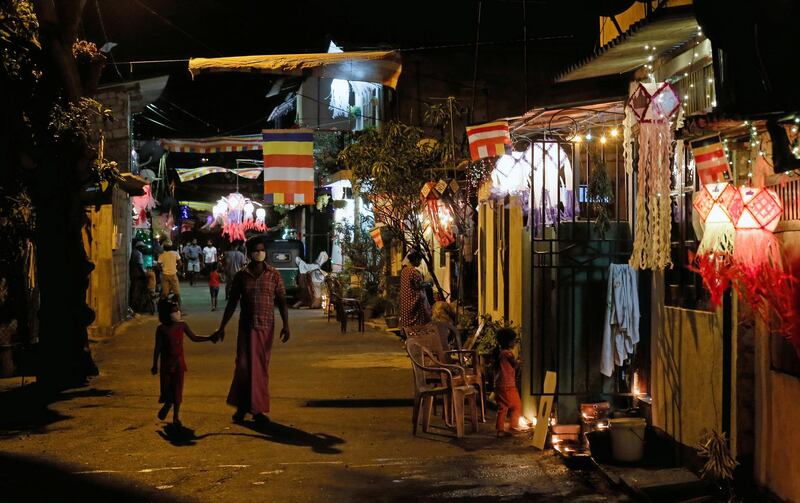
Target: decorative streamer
[(186, 175), (653, 105), (627, 138)]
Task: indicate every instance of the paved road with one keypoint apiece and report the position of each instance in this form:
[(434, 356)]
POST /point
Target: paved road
[(342, 432)]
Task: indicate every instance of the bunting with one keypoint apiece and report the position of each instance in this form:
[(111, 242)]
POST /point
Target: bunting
[(288, 166), (186, 175), (212, 145)]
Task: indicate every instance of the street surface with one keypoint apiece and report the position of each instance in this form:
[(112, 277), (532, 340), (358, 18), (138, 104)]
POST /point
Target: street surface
[(341, 410)]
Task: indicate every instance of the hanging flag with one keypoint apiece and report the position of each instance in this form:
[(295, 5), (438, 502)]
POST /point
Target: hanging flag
[(489, 140), (376, 235), (186, 175), (288, 166), (710, 160)]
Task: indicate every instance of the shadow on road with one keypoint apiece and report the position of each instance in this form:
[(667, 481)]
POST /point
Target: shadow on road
[(27, 409), (26, 478), (321, 443), (181, 436), (348, 403)]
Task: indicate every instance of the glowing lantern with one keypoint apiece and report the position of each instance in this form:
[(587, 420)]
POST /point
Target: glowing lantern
[(235, 214), (762, 278), (141, 205), (438, 212), (653, 105), (714, 259)]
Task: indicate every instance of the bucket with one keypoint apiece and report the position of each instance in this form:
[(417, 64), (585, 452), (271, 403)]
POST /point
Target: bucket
[(627, 438)]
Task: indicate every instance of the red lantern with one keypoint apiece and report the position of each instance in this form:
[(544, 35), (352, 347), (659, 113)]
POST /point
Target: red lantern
[(714, 259), (761, 275)]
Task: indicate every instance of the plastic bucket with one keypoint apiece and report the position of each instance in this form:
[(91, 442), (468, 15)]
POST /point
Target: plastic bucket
[(627, 438)]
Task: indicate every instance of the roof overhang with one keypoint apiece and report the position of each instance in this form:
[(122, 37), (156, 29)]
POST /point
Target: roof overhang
[(669, 30), (382, 67), (567, 118)]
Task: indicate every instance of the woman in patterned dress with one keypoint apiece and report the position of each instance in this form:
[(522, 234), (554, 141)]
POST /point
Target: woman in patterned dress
[(414, 307)]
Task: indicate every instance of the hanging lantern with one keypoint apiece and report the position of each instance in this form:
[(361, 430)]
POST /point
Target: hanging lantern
[(653, 105), (236, 215), (714, 259), (141, 205), (762, 277), (438, 212)]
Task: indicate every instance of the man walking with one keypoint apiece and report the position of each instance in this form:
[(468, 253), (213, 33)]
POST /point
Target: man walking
[(169, 261), (259, 288), (234, 260), (192, 255), (209, 256)]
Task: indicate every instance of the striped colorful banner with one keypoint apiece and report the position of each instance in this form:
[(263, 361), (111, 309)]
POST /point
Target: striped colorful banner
[(186, 175), (288, 166), (213, 144), (489, 140), (710, 161)]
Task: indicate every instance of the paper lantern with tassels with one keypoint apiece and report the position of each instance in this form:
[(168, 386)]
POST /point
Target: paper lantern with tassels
[(762, 278), (438, 211), (653, 105), (238, 214), (714, 259)]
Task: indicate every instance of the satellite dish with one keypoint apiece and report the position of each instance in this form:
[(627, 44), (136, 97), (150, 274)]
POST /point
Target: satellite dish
[(148, 175)]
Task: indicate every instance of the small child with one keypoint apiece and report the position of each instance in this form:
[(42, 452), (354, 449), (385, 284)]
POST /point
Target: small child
[(505, 382), (169, 346), (213, 285)]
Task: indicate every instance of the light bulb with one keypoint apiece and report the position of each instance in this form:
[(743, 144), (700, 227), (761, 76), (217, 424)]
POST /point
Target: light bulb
[(588, 136), (615, 132), (603, 140), (577, 138)]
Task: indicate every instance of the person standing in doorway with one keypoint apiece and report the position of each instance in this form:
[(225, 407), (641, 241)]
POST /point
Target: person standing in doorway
[(169, 261), (209, 256), (258, 287), (234, 261), (414, 306), (192, 255)]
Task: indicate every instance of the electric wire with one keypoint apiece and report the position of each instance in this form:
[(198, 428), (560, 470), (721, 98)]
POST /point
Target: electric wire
[(176, 27)]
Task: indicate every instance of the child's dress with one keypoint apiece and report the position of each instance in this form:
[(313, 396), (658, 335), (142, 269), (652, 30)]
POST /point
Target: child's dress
[(505, 391), (173, 366)]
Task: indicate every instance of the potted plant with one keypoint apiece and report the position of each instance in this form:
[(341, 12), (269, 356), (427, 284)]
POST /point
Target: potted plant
[(600, 195)]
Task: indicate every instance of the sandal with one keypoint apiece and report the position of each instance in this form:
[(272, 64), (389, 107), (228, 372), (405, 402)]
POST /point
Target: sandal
[(238, 417), (163, 411)]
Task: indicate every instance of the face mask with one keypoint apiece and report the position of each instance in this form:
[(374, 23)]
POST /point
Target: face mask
[(176, 316), (259, 256)]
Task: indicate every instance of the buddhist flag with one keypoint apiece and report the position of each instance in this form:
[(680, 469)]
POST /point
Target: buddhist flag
[(710, 161), (489, 140), (288, 166), (376, 235)]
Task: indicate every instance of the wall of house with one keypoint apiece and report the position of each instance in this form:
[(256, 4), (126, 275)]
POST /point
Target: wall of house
[(111, 223), (686, 369), (777, 402), (500, 231)]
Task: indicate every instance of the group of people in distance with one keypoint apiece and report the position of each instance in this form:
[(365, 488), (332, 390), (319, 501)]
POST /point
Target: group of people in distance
[(170, 264)]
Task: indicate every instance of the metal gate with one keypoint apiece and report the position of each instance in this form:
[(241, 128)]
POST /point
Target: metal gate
[(570, 261)]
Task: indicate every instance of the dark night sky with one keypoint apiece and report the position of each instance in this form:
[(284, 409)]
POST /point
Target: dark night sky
[(559, 32)]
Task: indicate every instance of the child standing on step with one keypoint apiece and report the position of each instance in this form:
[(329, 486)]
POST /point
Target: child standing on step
[(505, 382), (169, 347), (213, 284)]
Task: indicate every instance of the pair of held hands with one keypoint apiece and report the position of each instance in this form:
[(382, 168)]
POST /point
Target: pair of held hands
[(219, 335)]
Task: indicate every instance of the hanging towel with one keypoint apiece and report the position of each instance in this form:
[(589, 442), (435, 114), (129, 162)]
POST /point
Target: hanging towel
[(621, 328)]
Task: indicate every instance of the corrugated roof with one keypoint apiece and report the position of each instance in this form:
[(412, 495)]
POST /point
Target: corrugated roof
[(668, 29)]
